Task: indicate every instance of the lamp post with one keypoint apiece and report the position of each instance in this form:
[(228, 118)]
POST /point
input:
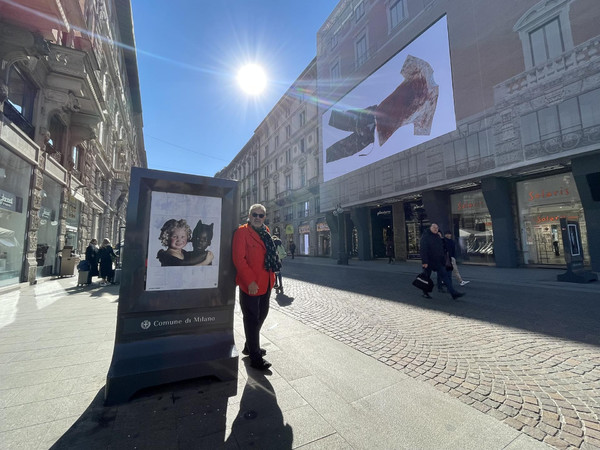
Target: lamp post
[(342, 255)]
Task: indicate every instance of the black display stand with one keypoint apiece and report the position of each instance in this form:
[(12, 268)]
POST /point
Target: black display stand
[(180, 331), (573, 251)]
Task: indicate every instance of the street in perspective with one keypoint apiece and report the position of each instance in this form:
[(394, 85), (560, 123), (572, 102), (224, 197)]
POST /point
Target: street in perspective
[(360, 360)]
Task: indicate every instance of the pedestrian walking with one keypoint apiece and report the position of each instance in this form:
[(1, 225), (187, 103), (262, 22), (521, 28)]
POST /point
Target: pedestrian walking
[(433, 259), (91, 256), (292, 249), (389, 246), (255, 259), (106, 256), (281, 253), (451, 248)]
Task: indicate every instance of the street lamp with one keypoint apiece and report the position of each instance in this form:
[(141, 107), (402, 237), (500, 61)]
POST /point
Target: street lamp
[(342, 255)]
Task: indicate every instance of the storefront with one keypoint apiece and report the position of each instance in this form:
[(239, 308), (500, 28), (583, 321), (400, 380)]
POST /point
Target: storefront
[(473, 223), (15, 176), (381, 221), (47, 235), (304, 234), (324, 238), (542, 203)]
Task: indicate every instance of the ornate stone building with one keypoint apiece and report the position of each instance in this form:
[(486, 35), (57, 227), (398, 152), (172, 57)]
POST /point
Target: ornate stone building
[(71, 129), (279, 167)]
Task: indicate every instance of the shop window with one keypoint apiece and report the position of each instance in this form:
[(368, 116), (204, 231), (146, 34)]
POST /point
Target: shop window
[(18, 107), (361, 50), (397, 13), (542, 203)]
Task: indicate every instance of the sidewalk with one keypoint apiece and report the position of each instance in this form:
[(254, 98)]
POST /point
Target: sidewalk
[(56, 344)]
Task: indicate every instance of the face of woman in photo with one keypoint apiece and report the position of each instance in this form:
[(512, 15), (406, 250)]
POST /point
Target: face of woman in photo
[(178, 238)]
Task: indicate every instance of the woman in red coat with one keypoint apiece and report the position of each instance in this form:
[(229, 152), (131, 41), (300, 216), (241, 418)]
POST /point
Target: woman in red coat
[(256, 261)]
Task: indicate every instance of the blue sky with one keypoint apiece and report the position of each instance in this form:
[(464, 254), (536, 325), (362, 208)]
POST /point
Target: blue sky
[(196, 117)]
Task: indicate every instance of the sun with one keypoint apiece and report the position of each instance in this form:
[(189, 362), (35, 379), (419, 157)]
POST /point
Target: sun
[(252, 79)]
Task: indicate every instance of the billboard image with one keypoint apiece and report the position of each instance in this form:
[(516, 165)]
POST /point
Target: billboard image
[(183, 242), (406, 102)]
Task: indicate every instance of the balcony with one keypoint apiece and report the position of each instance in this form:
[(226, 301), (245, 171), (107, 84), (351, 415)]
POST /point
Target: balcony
[(567, 65)]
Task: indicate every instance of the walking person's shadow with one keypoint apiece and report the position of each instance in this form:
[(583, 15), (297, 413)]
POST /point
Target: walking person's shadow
[(259, 423)]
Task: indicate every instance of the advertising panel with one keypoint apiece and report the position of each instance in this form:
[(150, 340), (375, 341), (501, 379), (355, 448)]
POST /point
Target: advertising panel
[(406, 102)]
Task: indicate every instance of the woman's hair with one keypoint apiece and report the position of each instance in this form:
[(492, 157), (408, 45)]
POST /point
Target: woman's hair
[(105, 242), (167, 230)]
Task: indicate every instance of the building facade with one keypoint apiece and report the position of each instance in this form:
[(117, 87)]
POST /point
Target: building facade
[(279, 167), (70, 130), (480, 116)]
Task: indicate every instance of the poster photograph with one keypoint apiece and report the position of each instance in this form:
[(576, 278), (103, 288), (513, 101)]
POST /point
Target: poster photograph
[(406, 102), (574, 239), (184, 239)]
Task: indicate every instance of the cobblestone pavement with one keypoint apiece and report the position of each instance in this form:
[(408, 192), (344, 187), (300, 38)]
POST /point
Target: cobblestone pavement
[(525, 353)]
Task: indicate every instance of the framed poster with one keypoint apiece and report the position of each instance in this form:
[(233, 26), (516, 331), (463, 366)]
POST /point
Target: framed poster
[(183, 242)]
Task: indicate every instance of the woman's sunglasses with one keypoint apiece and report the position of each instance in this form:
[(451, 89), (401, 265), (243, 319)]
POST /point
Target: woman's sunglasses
[(258, 215)]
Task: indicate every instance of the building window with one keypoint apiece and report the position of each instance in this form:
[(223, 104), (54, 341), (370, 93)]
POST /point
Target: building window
[(359, 11), (361, 50), (19, 104), (266, 193), (302, 146), (276, 164), (317, 205), (335, 72), (276, 186), (333, 41), (288, 156), (396, 13), (266, 151), (276, 141), (302, 176), (288, 182), (546, 42), (550, 39), (306, 209), (266, 172), (288, 131), (302, 117)]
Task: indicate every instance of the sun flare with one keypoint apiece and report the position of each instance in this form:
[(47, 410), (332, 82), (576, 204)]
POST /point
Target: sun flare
[(252, 79)]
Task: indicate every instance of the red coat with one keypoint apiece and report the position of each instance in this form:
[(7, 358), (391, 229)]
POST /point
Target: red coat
[(249, 259)]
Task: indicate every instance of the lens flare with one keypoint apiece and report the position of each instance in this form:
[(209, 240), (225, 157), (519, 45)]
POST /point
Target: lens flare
[(252, 79)]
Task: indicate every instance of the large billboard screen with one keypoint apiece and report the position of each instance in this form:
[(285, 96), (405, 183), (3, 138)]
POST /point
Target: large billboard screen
[(406, 102)]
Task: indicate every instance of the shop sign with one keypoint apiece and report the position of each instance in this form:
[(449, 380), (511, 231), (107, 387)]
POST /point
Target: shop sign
[(304, 229), (322, 226), (468, 202), (548, 190), (45, 213), (8, 200), (289, 229)]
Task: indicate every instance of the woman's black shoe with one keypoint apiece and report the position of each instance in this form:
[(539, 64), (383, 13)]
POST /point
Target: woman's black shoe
[(263, 352), (261, 364)]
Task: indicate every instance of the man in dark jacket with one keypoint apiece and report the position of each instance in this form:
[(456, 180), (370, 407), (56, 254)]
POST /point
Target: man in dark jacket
[(433, 258)]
